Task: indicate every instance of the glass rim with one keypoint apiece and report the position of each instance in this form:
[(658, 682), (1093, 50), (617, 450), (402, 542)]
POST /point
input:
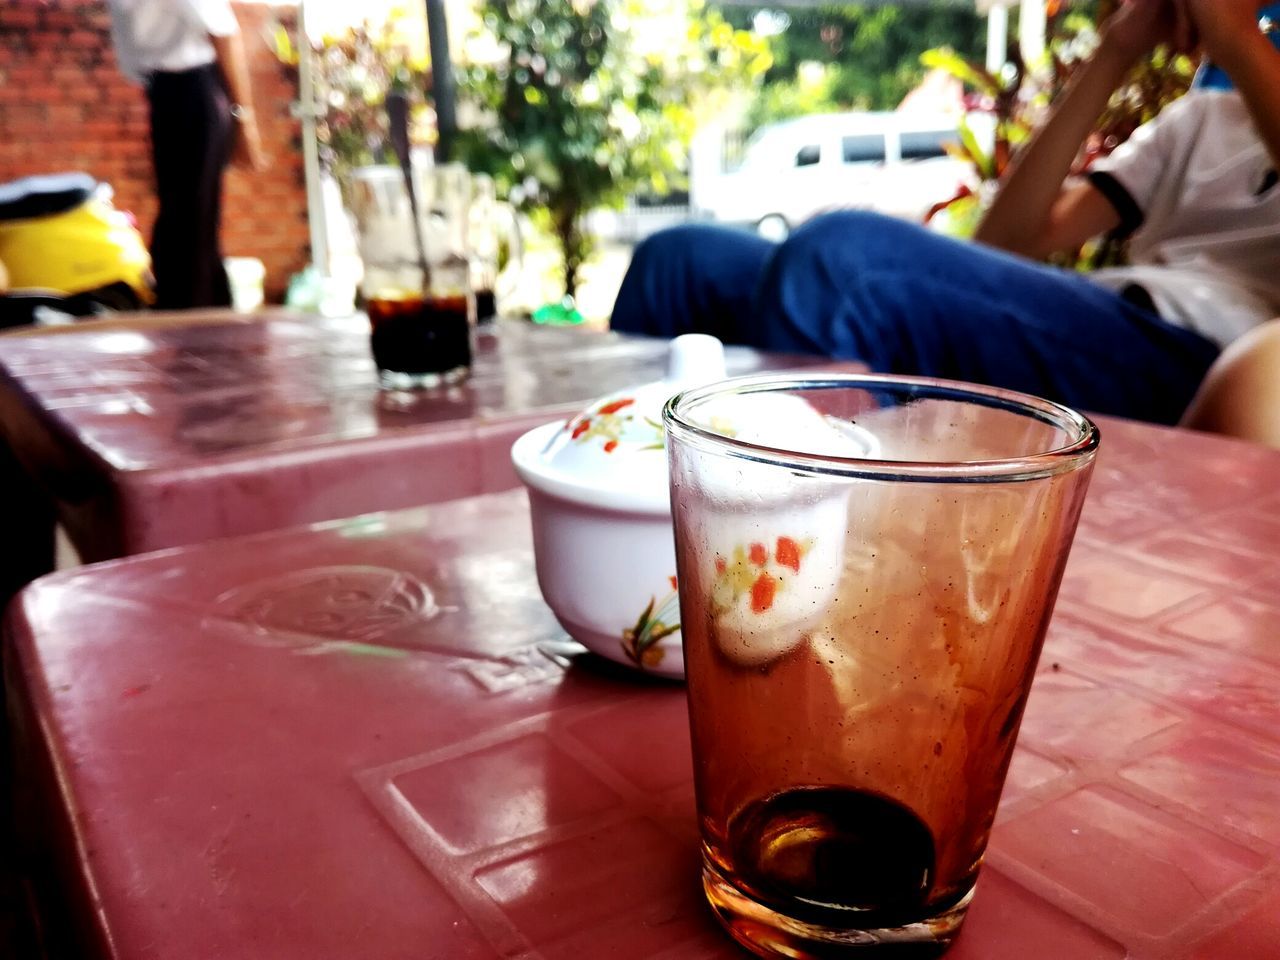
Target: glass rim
[(1032, 466)]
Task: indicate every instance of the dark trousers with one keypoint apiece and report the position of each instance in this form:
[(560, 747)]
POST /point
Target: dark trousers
[(901, 299), (191, 130)]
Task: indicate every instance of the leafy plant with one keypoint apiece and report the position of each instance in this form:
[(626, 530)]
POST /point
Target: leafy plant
[(354, 71), (575, 114)]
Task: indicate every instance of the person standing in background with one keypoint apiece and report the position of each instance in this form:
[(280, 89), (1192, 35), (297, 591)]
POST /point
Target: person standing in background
[(188, 55)]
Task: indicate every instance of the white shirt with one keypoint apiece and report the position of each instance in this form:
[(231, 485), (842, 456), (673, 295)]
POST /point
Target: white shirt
[(1208, 249), (167, 35)]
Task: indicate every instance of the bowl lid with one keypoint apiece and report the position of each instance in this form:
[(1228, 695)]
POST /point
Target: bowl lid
[(613, 452), (612, 455)]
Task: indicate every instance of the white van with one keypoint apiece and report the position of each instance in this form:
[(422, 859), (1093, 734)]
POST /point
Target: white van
[(895, 163)]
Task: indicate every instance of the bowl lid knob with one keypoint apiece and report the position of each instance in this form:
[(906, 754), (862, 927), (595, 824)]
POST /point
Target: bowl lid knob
[(695, 359)]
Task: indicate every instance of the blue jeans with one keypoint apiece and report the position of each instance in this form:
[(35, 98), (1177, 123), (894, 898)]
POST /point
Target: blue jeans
[(859, 286)]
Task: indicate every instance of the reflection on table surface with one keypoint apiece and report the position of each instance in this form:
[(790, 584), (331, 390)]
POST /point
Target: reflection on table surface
[(156, 394)]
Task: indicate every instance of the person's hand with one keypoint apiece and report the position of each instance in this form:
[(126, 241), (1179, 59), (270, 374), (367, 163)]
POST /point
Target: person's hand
[(1139, 26), (246, 145), (1221, 25)]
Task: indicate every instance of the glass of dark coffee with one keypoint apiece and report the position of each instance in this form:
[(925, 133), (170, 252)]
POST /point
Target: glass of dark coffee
[(484, 235), (867, 567), (421, 305)]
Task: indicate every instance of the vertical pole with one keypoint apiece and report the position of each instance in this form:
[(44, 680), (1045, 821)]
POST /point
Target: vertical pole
[(1031, 31), (306, 112), (443, 87), (997, 37)]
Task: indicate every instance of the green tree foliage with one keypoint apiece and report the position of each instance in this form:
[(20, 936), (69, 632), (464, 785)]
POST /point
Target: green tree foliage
[(871, 54), (578, 115)]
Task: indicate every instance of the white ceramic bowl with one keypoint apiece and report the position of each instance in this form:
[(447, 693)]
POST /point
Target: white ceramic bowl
[(606, 563), (599, 498), (600, 505)]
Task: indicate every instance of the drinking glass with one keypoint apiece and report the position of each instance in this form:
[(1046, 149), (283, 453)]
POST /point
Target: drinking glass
[(420, 308), (867, 567), (484, 245)]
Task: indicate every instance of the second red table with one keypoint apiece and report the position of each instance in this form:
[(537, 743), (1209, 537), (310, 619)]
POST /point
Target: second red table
[(149, 432)]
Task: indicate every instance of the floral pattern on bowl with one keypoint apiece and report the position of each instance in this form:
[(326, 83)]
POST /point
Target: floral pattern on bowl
[(642, 642), (599, 490), (608, 423)]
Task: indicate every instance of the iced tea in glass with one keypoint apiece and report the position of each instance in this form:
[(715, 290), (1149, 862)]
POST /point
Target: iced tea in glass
[(416, 338), (420, 303), (867, 567)]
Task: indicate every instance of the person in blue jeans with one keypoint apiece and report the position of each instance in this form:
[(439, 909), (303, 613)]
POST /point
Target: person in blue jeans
[(1195, 188)]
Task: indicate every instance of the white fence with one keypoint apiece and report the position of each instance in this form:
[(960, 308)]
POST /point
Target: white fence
[(634, 222)]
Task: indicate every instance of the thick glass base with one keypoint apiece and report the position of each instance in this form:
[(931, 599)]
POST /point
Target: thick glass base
[(398, 380), (768, 933)]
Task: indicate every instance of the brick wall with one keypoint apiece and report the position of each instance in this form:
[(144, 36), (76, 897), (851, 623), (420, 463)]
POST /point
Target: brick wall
[(65, 106)]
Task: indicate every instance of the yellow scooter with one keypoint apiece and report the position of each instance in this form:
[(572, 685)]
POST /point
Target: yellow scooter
[(64, 246)]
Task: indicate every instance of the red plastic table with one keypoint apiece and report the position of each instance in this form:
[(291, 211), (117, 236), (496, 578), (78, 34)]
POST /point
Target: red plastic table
[(370, 739), (154, 432)]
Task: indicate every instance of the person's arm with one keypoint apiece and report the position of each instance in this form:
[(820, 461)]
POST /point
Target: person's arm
[(1228, 31), (1033, 213), (1240, 396), (247, 148)]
